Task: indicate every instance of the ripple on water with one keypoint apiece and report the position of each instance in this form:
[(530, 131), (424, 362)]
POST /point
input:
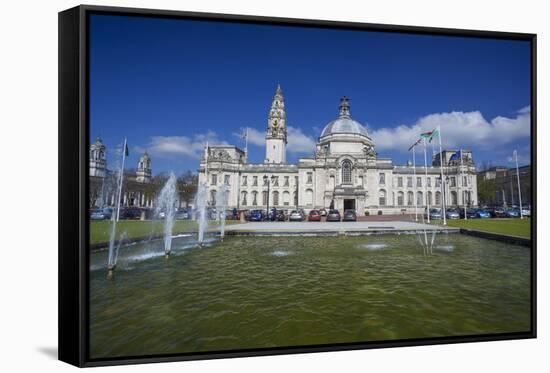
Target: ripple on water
[(281, 253), (447, 248), (373, 246)]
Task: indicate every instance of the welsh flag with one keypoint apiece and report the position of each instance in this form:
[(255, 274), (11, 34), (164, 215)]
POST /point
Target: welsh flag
[(429, 135), (416, 143)]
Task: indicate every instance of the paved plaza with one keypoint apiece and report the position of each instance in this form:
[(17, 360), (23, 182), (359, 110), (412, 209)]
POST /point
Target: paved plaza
[(332, 228)]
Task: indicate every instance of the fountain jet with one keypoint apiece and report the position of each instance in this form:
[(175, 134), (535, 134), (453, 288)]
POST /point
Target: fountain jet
[(201, 207), (165, 202), (221, 206)]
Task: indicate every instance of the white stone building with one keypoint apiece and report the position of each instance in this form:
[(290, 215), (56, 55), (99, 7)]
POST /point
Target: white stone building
[(345, 172)]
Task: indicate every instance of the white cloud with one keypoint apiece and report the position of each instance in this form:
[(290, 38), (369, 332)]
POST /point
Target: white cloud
[(459, 129), (298, 142), (180, 146)]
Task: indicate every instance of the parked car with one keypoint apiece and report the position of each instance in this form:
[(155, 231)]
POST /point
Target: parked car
[(482, 214), (256, 215), (435, 214), (280, 215), (470, 213), (526, 211), (452, 214), (350, 215), (295, 216), (512, 213), (323, 212), (105, 213), (314, 215), (130, 213), (333, 215), (497, 212), (182, 214)]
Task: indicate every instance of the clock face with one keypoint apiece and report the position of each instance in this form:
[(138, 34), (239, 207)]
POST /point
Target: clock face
[(275, 124)]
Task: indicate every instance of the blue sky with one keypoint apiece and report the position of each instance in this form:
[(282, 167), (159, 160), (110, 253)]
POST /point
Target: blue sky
[(169, 85)]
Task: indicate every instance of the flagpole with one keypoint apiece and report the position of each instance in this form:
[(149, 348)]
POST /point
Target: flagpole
[(414, 187), (426, 182), (519, 186), (121, 176), (462, 186), (442, 180)]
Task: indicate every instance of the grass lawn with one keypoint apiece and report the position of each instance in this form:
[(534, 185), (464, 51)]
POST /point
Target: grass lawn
[(100, 230), (510, 227)]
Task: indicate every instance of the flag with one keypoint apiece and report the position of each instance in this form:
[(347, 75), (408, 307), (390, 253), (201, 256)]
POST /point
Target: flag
[(413, 145), (434, 134), (426, 135), (456, 155)]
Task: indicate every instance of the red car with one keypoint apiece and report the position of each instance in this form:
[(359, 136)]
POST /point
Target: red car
[(314, 215)]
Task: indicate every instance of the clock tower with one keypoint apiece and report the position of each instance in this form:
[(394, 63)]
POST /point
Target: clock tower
[(275, 140)]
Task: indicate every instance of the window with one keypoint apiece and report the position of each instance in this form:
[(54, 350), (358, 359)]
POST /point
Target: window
[(275, 180), (400, 198), (429, 182), (465, 181), (346, 172), (382, 180), (275, 198), (286, 180), (382, 197), (409, 182), (453, 181), (361, 181), (453, 198), (400, 181), (226, 179), (310, 177), (410, 198), (243, 198), (419, 199), (244, 180), (419, 182), (255, 181), (309, 197), (213, 197), (214, 179), (438, 182), (437, 198), (429, 198), (264, 197), (265, 180), (254, 198), (286, 198), (295, 195)]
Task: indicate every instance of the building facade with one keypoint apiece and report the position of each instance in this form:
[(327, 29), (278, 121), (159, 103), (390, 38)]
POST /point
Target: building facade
[(501, 186), (103, 182), (345, 172)]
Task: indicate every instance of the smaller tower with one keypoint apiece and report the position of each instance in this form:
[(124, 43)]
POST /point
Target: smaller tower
[(143, 174), (98, 158), (275, 139)]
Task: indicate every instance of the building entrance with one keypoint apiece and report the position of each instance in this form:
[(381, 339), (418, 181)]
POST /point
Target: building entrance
[(349, 204)]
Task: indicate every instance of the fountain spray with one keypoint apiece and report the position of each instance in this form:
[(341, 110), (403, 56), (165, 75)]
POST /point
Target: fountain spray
[(221, 205), (166, 201)]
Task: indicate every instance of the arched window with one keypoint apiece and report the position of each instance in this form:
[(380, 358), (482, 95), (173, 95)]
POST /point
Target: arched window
[(286, 198), (264, 197), (295, 198), (437, 198), (213, 197), (453, 198), (243, 198), (309, 197), (419, 199), (346, 172), (400, 198), (275, 198), (382, 197), (410, 198), (429, 200), (254, 198)]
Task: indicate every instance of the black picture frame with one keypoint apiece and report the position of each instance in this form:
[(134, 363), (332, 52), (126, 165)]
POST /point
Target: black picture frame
[(73, 183)]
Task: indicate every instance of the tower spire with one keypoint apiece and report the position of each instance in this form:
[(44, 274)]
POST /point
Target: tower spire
[(276, 129)]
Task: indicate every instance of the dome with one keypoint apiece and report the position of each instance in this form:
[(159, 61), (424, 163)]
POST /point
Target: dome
[(344, 123)]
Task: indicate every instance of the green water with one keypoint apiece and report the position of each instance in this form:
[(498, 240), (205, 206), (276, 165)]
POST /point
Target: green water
[(286, 291)]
